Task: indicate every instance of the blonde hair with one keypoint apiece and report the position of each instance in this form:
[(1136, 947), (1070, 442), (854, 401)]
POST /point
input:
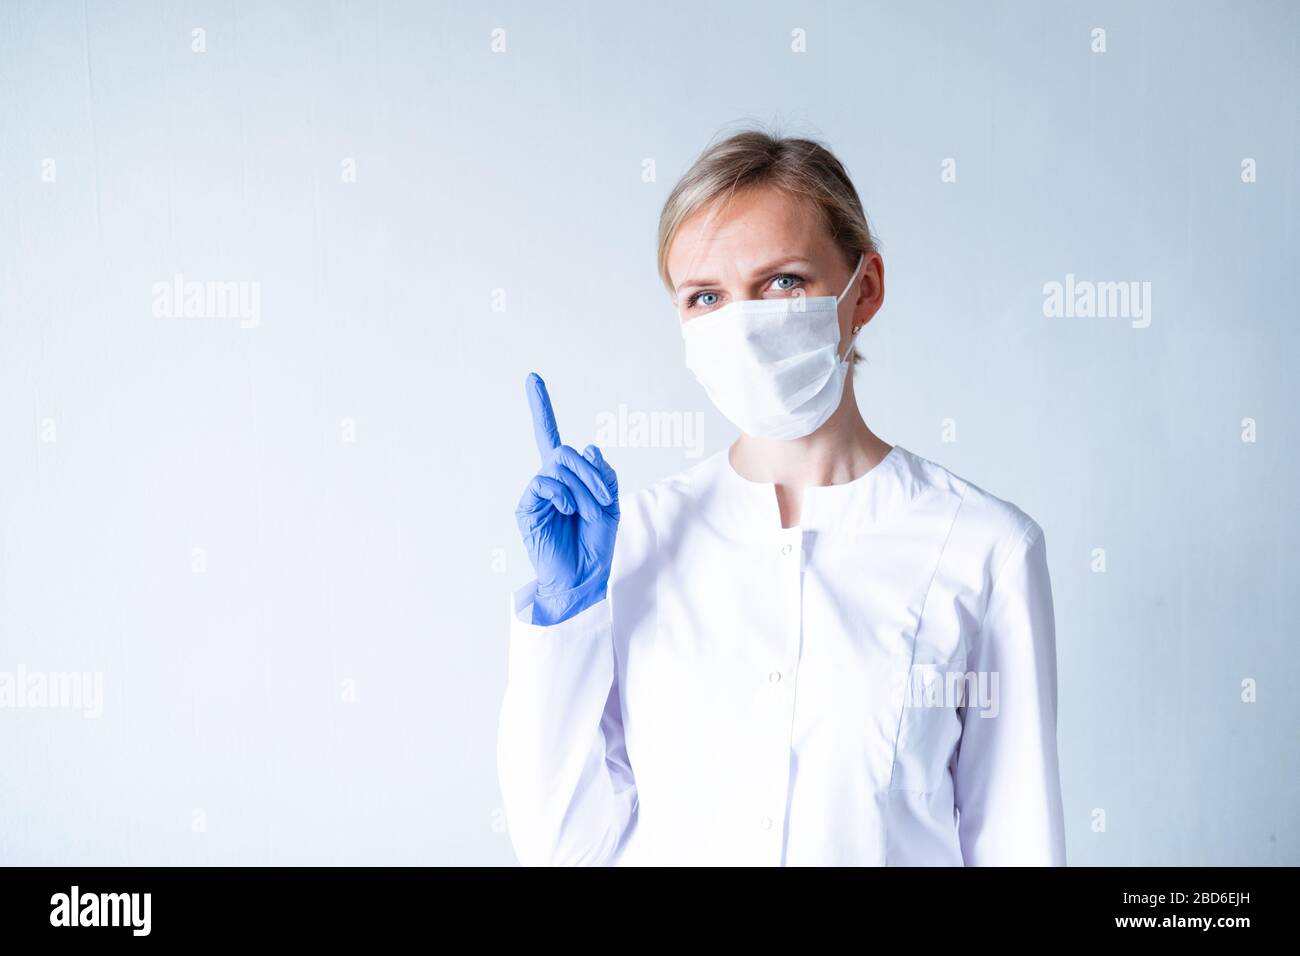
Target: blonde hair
[(803, 168)]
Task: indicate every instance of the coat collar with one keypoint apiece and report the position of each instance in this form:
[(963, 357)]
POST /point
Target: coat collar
[(748, 509)]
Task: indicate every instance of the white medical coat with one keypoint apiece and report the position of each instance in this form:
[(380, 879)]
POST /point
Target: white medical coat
[(875, 686)]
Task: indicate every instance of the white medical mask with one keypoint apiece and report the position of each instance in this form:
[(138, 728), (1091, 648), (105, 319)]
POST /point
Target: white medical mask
[(772, 366)]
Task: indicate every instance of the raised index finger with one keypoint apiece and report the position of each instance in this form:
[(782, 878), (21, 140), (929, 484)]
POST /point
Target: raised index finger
[(545, 430)]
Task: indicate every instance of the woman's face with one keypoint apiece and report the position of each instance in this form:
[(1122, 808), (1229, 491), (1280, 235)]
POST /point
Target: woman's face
[(766, 244)]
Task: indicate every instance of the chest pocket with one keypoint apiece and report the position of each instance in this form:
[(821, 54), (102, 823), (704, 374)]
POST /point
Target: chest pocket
[(929, 727)]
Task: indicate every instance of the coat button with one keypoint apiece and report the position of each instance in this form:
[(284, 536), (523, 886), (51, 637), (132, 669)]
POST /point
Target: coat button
[(785, 549), (765, 823), (774, 676)]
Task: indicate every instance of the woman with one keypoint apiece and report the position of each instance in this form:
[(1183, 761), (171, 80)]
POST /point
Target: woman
[(810, 648)]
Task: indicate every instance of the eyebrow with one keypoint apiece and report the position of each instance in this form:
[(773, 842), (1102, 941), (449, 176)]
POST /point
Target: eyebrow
[(783, 262)]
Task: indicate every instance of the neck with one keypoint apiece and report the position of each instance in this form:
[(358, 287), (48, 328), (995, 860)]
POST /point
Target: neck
[(843, 449)]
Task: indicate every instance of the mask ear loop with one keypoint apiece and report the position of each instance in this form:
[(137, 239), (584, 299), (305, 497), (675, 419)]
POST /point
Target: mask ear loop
[(840, 298)]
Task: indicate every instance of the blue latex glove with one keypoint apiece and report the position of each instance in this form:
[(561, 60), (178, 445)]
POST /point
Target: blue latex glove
[(568, 516)]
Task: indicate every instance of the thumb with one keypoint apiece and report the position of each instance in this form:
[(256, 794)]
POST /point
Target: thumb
[(607, 473)]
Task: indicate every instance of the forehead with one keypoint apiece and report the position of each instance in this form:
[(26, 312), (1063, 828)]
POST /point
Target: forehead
[(751, 224)]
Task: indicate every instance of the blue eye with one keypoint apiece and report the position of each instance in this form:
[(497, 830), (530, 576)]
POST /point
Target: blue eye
[(785, 282)]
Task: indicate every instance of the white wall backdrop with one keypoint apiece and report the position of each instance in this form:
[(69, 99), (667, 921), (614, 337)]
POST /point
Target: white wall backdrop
[(281, 534)]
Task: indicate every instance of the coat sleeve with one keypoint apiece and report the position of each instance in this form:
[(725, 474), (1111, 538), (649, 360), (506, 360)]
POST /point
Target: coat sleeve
[(1006, 778), (566, 787)]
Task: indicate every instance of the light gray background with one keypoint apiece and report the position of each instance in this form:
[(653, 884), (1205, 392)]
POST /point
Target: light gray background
[(386, 561)]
